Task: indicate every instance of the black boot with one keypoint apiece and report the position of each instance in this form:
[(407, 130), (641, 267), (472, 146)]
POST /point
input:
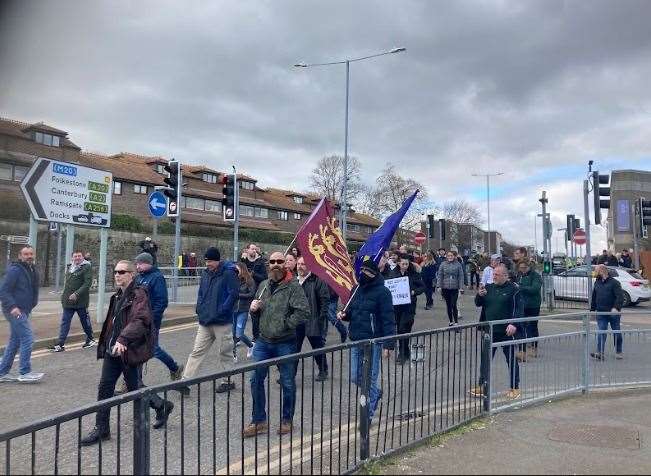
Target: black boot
[(162, 414), (94, 436)]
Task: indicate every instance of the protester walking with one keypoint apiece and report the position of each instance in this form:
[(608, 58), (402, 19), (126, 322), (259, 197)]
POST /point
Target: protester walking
[(316, 327), (530, 283), (607, 299), (75, 299), (148, 246), (487, 274), (247, 290), (280, 307), (473, 271), (216, 299), (499, 301), (625, 260), (428, 274), (19, 296), (254, 263), (405, 313), (370, 315), (126, 342), (450, 280)]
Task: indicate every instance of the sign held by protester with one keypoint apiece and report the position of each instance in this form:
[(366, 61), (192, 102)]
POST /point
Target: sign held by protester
[(400, 291)]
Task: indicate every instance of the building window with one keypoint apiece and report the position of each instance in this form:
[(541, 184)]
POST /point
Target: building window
[(195, 203), (282, 215), (297, 216), (353, 227), (159, 168), (213, 206), (261, 212), (246, 211), (298, 199), (47, 139), (370, 230), (19, 172), (210, 178), (117, 188), (246, 185), (12, 172), (140, 189)]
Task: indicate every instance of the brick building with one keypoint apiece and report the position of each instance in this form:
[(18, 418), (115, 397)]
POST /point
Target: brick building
[(135, 176)]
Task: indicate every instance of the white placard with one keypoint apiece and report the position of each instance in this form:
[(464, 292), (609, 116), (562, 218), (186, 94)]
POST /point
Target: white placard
[(68, 193), (400, 291)]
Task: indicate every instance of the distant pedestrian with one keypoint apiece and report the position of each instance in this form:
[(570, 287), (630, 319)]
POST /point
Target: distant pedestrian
[(218, 294), (370, 316), (450, 281), (625, 260), (192, 264), (88, 257), (487, 274), (75, 299), (248, 288), (150, 278), (607, 300), (612, 259), (530, 283), (428, 274), (499, 301), (126, 342), (280, 308), (148, 246), (290, 263), (315, 328), (19, 296), (473, 271), (405, 313), (255, 263)]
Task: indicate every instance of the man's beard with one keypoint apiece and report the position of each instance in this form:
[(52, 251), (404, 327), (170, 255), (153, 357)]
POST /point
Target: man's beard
[(277, 273)]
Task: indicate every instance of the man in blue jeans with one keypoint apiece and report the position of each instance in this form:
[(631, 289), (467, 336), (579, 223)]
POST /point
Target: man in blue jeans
[(371, 315), (19, 295), (281, 306), (607, 297)]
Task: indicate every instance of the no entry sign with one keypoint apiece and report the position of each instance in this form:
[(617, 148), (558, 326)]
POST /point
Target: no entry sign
[(419, 238), (579, 236)]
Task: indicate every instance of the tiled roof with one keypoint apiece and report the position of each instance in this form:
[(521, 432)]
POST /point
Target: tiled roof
[(123, 167), (21, 129)]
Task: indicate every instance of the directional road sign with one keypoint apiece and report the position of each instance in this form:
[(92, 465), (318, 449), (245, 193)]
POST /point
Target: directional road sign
[(68, 193), (579, 236), (157, 204)]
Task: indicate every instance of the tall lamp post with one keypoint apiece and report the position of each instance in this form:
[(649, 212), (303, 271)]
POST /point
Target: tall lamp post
[(488, 202), (344, 190)]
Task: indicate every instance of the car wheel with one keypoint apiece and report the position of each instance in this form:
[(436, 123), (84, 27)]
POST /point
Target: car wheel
[(627, 299)]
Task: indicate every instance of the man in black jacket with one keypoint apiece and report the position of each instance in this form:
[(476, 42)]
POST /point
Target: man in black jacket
[(607, 297), (316, 327), (625, 260), (254, 263), (405, 313)]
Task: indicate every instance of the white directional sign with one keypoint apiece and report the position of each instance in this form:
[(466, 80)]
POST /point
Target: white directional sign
[(68, 193)]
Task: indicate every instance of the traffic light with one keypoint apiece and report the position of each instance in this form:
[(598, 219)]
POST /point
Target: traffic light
[(173, 192), (430, 226), (645, 216), (228, 201), (598, 192), (441, 229), (547, 267), (569, 227), (577, 225)]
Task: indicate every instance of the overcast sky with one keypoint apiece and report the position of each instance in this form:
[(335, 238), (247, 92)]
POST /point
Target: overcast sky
[(533, 89)]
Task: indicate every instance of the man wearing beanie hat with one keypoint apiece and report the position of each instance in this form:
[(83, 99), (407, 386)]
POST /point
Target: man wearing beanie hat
[(218, 293), (150, 277), (370, 315)]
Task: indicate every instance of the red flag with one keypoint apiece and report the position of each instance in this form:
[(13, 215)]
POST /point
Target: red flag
[(324, 250)]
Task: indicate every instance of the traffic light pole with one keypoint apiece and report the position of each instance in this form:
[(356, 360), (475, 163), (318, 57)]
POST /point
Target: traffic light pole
[(236, 224), (586, 218), (636, 247)]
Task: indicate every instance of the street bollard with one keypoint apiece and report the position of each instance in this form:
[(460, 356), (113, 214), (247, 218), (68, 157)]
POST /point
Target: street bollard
[(364, 424)]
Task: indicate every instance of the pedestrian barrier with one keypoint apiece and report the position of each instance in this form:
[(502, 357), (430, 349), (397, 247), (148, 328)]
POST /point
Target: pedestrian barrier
[(333, 431)]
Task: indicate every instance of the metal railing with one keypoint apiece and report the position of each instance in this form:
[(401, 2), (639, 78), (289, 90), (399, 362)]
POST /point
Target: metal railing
[(333, 430)]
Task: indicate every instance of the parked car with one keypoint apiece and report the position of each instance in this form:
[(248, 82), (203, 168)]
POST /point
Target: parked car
[(573, 284)]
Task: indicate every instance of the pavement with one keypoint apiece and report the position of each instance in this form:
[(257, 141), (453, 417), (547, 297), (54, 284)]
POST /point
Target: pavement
[(604, 432), (203, 431)]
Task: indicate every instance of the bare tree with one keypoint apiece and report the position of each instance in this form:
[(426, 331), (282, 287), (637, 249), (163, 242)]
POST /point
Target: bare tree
[(459, 211), (327, 178), (390, 192)]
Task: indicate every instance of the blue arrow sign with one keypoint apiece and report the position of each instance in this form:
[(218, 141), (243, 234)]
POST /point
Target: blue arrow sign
[(157, 204)]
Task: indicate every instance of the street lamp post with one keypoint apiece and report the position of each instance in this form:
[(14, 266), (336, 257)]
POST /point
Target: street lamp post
[(344, 188), (488, 202)]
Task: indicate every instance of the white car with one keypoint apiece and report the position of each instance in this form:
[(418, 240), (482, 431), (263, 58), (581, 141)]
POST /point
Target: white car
[(573, 284)]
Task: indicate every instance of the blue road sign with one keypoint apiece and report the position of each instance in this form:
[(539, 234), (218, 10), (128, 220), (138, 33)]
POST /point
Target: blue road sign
[(157, 204)]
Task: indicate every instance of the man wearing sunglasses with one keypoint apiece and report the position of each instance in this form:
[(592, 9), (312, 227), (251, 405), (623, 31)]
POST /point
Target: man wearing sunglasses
[(281, 306), (127, 341)]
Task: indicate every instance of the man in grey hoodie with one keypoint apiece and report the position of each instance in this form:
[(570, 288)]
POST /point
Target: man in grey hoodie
[(450, 280)]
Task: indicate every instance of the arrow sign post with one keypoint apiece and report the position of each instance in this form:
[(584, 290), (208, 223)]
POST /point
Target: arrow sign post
[(68, 193), (157, 204)]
